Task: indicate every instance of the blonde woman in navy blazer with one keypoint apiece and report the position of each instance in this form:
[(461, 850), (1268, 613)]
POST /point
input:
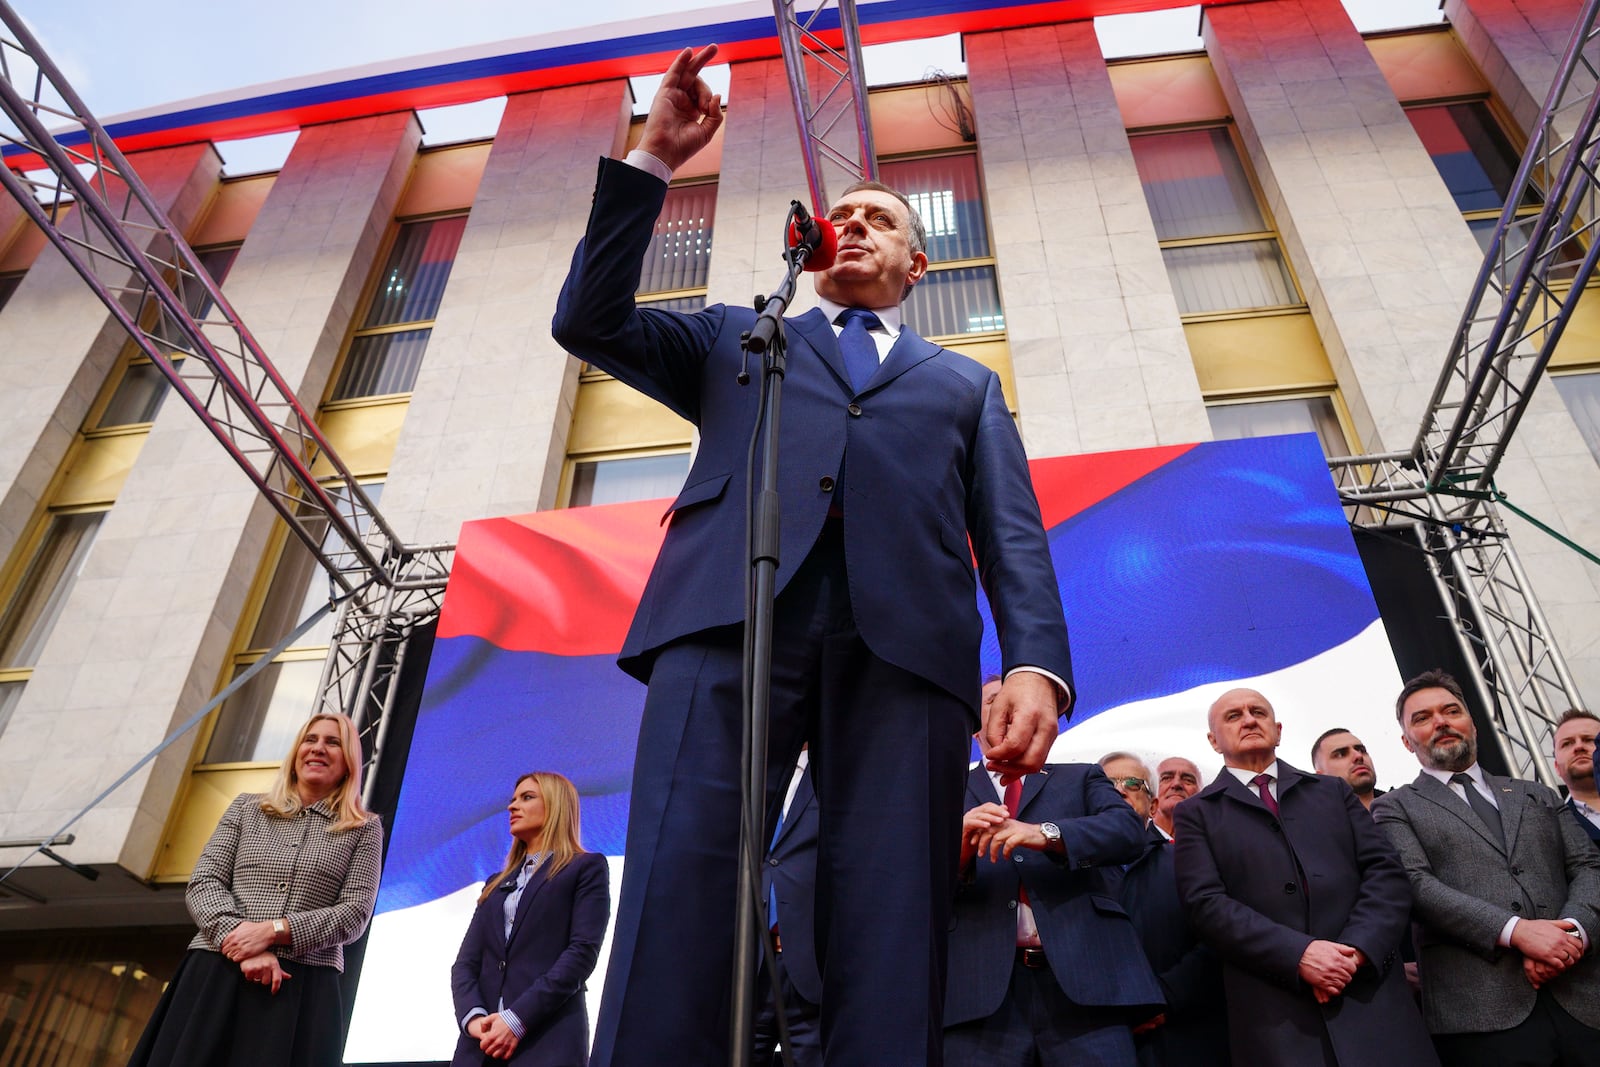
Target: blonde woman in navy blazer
[(534, 939)]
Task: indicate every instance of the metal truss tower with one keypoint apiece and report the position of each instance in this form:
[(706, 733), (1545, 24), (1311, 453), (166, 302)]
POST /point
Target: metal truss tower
[(1532, 278), (829, 89), (91, 204)]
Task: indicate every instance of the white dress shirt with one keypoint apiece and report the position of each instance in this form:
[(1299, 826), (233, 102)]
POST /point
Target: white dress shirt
[(1248, 777)]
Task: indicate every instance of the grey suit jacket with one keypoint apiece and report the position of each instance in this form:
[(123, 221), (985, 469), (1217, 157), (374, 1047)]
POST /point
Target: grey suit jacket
[(1467, 885)]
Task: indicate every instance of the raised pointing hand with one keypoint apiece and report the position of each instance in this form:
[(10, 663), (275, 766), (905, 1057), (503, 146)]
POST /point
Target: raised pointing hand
[(685, 113)]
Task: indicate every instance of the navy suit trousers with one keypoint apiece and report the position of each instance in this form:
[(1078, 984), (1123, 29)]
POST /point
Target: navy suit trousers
[(888, 757)]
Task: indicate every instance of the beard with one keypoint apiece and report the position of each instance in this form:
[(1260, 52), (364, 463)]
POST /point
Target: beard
[(1365, 785), (1451, 752)]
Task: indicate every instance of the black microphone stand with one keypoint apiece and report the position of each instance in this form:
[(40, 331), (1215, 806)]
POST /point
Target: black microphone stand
[(766, 340)]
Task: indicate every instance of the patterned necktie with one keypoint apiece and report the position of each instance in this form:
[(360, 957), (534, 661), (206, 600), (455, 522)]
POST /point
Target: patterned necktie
[(856, 344), (1481, 806), (1261, 782)]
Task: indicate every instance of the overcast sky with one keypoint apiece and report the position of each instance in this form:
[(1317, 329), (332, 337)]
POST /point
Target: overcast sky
[(142, 53)]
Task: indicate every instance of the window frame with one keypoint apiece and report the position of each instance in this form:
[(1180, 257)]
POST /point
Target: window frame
[(1271, 233), (1330, 392), (570, 464)]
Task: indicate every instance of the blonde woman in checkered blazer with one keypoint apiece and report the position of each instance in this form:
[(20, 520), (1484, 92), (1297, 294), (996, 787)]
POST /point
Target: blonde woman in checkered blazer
[(288, 879)]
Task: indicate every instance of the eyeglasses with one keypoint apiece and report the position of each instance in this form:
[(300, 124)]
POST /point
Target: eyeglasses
[(1132, 785)]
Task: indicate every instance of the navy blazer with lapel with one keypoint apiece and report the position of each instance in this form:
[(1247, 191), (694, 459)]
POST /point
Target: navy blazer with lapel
[(928, 454), (1468, 882), (1195, 1033), (540, 971), (1259, 888), (1092, 947), (791, 870)]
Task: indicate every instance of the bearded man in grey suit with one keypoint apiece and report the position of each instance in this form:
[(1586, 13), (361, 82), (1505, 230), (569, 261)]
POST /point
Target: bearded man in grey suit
[(1507, 890)]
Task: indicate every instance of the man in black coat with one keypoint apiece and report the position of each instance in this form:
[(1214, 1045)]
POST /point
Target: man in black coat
[(789, 883), (1192, 1031), (1287, 877), (1574, 756)]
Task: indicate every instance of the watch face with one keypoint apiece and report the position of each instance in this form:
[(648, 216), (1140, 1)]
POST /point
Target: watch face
[(1051, 831)]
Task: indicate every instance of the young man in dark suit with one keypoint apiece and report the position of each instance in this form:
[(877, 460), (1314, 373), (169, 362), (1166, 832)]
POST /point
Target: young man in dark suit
[(1507, 894), (1285, 875), (899, 463), (1574, 746)]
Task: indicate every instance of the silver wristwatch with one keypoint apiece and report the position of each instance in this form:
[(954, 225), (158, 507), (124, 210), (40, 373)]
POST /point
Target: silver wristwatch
[(1052, 834)]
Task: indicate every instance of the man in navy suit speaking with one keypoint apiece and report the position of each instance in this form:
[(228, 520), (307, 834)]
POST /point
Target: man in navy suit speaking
[(894, 453)]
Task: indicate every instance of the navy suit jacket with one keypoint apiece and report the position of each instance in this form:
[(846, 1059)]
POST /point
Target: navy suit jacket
[(540, 971), (1588, 827), (1195, 1032), (791, 870), (1259, 888), (927, 453), (1092, 948)]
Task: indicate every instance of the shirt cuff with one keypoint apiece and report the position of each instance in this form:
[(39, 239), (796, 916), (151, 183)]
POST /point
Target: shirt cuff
[(513, 1023), (1583, 935), (1063, 690), (1505, 931), (639, 159), (471, 1015)]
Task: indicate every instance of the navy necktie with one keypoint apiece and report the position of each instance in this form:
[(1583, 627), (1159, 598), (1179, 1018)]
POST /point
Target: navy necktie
[(856, 344)]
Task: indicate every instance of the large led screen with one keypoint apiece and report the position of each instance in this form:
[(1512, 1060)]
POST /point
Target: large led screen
[(1183, 570)]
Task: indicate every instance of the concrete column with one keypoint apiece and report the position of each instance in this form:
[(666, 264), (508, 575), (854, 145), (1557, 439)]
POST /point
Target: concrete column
[(487, 426), (1517, 44), (1096, 342), (57, 343), (144, 637), (762, 170), (1387, 265)]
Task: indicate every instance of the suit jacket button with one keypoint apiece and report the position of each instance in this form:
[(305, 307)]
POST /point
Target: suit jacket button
[(1011, 905), (772, 863), (854, 409), (1516, 871), (1290, 887), (502, 965), (1275, 827), (1017, 856), (1516, 905), (826, 484)]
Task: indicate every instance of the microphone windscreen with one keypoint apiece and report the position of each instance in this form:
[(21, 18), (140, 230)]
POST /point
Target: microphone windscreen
[(826, 241)]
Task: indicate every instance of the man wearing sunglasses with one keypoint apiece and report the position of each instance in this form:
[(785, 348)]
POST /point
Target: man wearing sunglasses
[(1192, 1031)]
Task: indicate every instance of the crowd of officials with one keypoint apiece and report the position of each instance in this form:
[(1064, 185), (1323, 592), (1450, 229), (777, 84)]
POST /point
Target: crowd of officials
[(1106, 914)]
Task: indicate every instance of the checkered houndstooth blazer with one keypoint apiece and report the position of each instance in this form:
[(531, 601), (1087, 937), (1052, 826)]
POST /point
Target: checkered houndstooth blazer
[(258, 867)]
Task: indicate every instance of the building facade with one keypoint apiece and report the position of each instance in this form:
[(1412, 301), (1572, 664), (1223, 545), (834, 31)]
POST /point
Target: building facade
[(1275, 234)]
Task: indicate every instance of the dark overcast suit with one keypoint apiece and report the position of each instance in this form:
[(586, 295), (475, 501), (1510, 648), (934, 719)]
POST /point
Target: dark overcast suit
[(876, 661), (1259, 888)]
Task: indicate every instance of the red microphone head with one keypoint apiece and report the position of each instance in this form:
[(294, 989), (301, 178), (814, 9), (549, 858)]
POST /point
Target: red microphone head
[(818, 235)]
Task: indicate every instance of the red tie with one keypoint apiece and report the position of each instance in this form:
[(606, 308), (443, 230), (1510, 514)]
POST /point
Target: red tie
[(1261, 782)]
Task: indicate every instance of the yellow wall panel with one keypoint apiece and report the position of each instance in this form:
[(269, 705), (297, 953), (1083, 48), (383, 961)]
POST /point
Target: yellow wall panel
[(1580, 342), (917, 118), (996, 355), (1426, 65), (97, 469), (210, 792), (610, 415), (364, 436), (444, 179), (1168, 90), (24, 248), (1257, 354), (234, 210)]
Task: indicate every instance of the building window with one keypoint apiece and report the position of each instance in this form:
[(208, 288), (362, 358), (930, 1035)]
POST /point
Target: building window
[(1273, 416), (619, 479), (679, 256), (1581, 392), (959, 295), (142, 388), (387, 349), (35, 601), (8, 285), (258, 722), (1220, 250), (42, 588)]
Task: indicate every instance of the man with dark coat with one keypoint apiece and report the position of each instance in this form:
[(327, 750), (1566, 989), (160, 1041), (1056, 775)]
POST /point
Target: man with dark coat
[(1045, 968), (899, 464), (1285, 875), (1192, 1031), (1574, 746), (789, 885)]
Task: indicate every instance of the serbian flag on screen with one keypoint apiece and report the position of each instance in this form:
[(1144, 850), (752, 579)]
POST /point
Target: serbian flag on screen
[(1177, 567)]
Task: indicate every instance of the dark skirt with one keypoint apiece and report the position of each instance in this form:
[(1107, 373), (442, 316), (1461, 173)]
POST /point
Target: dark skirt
[(211, 1015)]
